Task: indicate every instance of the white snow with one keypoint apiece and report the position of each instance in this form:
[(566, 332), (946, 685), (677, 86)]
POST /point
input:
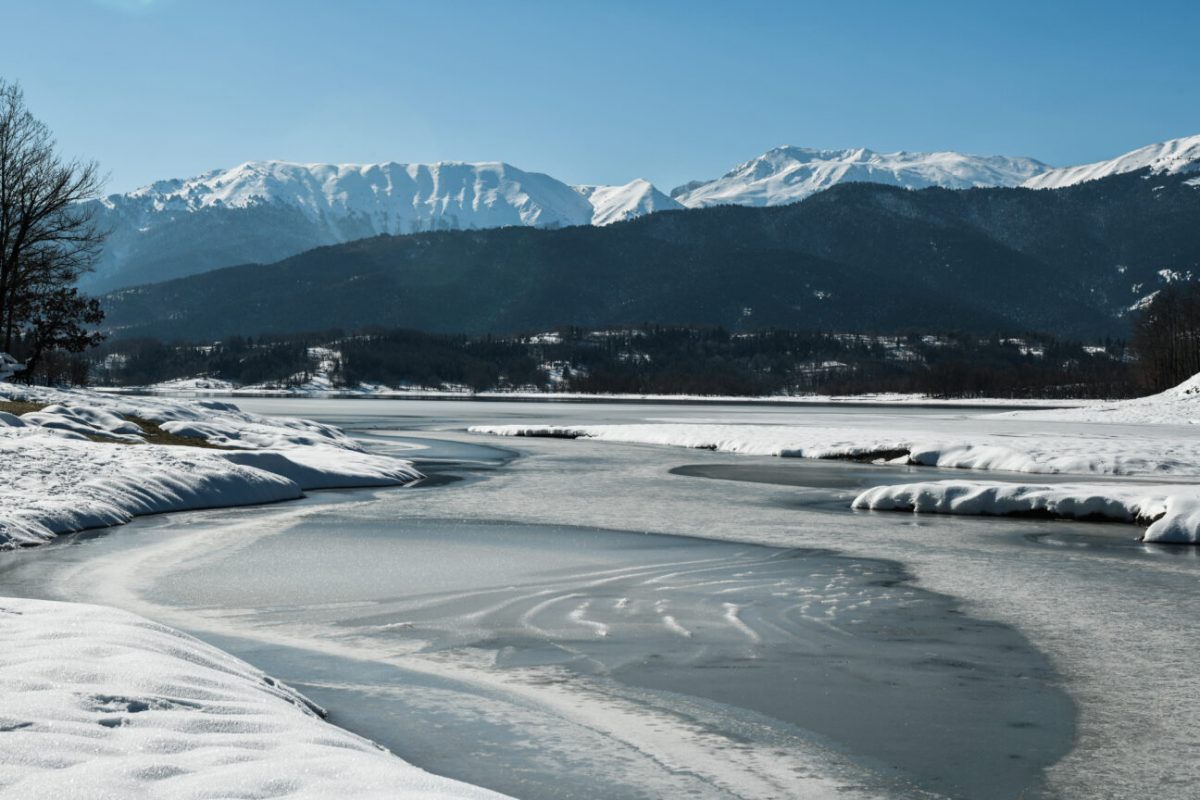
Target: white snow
[(1179, 405), (389, 197), (619, 203), (324, 204), (1043, 452), (1172, 511), (787, 174), (55, 477), (1143, 438), (1170, 157), (100, 703)]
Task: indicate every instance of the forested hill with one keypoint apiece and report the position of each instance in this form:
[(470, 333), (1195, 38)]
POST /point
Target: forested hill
[(1066, 261)]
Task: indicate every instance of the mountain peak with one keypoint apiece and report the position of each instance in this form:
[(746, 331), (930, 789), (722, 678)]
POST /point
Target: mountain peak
[(1170, 157), (262, 211), (788, 173), (619, 203)]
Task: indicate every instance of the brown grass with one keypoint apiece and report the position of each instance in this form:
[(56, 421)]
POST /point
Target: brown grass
[(152, 433), (19, 407), (156, 435)]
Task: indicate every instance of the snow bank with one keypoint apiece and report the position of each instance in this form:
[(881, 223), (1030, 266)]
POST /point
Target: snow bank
[(217, 422), (1176, 406), (1173, 511), (97, 702), (758, 440), (50, 485), (85, 421), (1045, 453), (55, 478)]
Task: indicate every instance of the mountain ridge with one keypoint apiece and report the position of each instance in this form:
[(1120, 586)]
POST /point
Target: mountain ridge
[(858, 256), (263, 211), (1170, 157), (788, 174)]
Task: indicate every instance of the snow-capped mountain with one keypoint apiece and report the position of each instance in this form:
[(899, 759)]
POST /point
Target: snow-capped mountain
[(388, 198), (618, 203), (787, 174), (263, 211), (1170, 157)]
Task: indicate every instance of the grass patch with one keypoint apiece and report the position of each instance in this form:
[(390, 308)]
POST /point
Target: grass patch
[(19, 407), (151, 432), (156, 435)]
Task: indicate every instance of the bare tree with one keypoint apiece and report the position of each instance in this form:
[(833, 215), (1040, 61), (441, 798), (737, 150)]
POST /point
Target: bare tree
[(48, 235)]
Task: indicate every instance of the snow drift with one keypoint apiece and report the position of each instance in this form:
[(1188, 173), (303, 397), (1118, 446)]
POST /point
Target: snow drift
[(98, 702), (1172, 511), (81, 463)]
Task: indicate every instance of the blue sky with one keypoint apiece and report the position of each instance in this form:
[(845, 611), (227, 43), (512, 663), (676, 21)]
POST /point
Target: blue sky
[(598, 92)]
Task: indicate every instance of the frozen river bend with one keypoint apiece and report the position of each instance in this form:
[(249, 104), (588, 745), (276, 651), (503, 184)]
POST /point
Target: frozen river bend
[(511, 624)]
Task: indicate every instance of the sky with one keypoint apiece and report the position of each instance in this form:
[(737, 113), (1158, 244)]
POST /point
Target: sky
[(595, 92)]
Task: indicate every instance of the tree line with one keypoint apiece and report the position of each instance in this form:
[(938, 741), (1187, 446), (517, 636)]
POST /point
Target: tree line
[(649, 359)]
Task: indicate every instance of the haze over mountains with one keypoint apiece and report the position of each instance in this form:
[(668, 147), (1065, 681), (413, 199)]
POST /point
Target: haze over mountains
[(261, 212)]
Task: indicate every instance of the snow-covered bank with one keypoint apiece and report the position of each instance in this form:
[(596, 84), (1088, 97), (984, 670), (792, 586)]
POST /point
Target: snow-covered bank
[(1179, 405), (1147, 437), (1172, 512), (83, 461), (1046, 454), (100, 703)]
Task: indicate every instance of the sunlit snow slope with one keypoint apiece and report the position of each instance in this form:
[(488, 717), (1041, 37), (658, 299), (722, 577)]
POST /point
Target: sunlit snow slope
[(1171, 157), (618, 203), (262, 211), (787, 174)]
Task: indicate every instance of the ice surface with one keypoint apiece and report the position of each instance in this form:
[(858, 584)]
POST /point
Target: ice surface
[(1138, 438), (1104, 607)]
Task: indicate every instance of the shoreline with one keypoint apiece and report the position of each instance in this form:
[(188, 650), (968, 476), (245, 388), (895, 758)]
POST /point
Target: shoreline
[(849, 401)]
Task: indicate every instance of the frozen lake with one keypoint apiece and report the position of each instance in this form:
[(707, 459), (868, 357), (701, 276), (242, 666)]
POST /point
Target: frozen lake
[(561, 619)]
